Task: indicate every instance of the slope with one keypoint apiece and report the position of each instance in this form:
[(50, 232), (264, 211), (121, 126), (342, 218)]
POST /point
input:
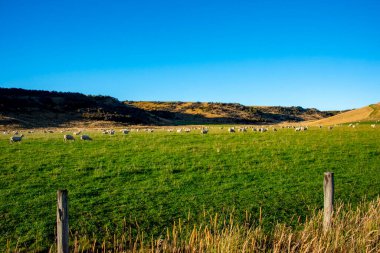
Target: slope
[(366, 113)]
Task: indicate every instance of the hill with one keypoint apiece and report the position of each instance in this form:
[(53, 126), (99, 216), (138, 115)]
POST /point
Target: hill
[(366, 113), (203, 112), (35, 108)]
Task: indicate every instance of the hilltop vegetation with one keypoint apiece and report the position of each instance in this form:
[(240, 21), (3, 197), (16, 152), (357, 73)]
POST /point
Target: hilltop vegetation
[(228, 113), (32, 108)]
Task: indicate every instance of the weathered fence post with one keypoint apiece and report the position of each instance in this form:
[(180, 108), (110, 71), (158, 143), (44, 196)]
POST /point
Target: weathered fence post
[(62, 222), (328, 207)]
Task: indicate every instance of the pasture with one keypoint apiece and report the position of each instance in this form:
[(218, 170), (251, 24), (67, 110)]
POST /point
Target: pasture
[(146, 181)]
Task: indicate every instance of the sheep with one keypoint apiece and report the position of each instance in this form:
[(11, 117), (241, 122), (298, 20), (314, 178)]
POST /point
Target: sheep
[(204, 131), (77, 133), (331, 127), (85, 138), (68, 137), (231, 130), (274, 129), (242, 129), (301, 128), (125, 131), (16, 138), (179, 130), (373, 125), (263, 129)]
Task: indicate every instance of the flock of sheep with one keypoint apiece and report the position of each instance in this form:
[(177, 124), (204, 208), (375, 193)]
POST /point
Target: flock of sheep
[(203, 130)]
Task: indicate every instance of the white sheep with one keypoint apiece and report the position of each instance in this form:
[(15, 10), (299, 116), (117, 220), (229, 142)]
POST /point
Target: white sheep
[(231, 130), (243, 129), (85, 138), (373, 125), (204, 131), (16, 138), (68, 137)]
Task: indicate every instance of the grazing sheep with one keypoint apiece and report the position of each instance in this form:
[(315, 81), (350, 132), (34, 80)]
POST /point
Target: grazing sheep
[(85, 138), (263, 129), (274, 129), (242, 129), (204, 131), (125, 131), (231, 130), (373, 125), (68, 137), (331, 127), (16, 138), (301, 128)]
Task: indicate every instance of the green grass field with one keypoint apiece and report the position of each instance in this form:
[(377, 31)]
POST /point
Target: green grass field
[(148, 180)]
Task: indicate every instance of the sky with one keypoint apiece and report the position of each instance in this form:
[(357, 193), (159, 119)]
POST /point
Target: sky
[(316, 53)]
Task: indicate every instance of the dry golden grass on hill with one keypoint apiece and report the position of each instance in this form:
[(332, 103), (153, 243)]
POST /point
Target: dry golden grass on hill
[(367, 113)]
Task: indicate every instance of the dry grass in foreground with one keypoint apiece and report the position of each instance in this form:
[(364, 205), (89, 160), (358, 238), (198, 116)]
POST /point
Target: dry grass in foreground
[(353, 230)]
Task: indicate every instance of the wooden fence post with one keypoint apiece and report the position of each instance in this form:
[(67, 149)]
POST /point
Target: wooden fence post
[(62, 222), (328, 207)]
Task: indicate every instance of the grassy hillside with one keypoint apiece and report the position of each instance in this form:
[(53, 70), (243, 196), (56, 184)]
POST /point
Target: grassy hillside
[(203, 113), (368, 113), (146, 181), (32, 108)]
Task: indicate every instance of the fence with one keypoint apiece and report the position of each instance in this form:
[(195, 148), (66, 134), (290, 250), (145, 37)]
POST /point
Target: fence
[(63, 212)]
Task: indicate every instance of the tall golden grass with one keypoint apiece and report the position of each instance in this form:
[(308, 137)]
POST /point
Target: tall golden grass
[(353, 230)]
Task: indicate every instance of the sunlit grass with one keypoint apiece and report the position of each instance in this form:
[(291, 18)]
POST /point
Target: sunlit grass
[(154, 179)]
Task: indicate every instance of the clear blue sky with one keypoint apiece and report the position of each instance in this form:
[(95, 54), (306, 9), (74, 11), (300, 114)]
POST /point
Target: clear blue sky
[(317, 53)]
